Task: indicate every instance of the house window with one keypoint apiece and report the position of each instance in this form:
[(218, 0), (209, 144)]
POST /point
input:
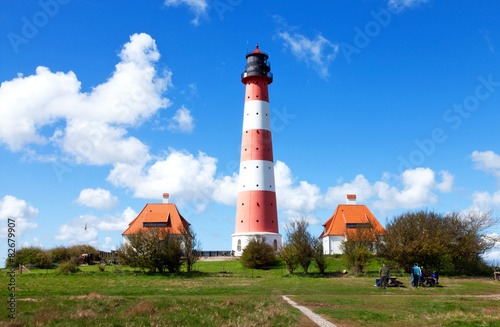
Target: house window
[(158, 224), (275, 244), (239, 245)]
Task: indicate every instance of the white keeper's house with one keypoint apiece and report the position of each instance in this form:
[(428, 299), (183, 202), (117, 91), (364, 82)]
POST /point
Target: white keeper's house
[(344, 222)]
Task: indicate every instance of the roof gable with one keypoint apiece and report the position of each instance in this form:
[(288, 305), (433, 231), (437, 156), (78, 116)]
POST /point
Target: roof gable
[(158, 213), (348, 216)]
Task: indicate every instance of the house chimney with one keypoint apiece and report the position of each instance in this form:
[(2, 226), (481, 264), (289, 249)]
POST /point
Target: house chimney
[(165, 197), (351, 198)]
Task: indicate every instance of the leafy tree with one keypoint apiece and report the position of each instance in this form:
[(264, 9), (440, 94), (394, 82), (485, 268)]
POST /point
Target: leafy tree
[(154, 249), (258, 254), (357, 247), (302, 241), (319, 256), (192, 247), (453, 241), (289, 254)]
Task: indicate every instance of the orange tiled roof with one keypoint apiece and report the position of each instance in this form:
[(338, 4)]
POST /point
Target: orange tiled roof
[(158, 213), (351, 214)]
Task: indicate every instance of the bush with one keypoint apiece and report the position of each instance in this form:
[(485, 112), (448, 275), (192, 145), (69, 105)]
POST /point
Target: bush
[(59, 254), (289, 254), (77, 250), (319, 256), (31, 255), (68, 267), (258, 254)]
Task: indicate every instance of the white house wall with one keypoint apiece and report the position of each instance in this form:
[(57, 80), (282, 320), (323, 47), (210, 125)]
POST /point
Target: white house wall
[(331, 244)]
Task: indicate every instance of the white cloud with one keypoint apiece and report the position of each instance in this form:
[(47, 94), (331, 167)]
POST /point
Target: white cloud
[(446, 186), (318, 52), (484, 201), (186, 177), (90, 127), (119, 223), (182, 121), (74, 232), (97, 198), (416, 190), (300, 197), (226, 190), (487, 161), (401, 4), (20, 211), (197, 7), (417, 186)]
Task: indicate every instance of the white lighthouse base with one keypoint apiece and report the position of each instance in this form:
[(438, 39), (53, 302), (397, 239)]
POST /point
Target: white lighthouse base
[(240, 240)]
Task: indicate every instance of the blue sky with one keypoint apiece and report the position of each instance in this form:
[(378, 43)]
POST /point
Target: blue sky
[(105, 106)]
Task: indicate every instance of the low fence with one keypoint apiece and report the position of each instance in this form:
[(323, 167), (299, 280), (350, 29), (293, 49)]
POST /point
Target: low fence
[(216, 253)]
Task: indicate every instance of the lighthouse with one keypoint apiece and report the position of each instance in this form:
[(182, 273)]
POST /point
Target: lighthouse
[(256, 213)]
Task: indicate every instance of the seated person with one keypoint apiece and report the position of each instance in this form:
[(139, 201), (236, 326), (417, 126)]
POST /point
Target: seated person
[(377, 282), (436, 277), (421, 279)]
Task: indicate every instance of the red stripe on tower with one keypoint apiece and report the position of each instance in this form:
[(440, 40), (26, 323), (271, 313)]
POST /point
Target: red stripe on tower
[(256, 213)]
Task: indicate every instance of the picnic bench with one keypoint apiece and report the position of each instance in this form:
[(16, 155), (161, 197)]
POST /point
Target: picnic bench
[(392, 281), (428, 281)]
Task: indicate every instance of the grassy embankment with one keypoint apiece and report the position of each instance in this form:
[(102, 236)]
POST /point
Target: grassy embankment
[(210, 298)]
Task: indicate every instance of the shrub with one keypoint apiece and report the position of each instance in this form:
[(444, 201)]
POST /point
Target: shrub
[(319, 256), (79, 249), (289, 254), (59, 254), (258, 254), (68, 267), (30, 255)]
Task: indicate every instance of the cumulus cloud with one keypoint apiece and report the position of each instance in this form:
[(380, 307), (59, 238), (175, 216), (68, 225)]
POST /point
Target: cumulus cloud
[(97, 198), (417, 188), (296, 198), (446, 186), (182, 121), (74, 231), (89, 127), (20, 211), (197, 7), (484, 201), (317, 52), (487, 161)]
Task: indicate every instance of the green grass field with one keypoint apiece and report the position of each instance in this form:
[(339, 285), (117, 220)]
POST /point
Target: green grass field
[(121, 297)]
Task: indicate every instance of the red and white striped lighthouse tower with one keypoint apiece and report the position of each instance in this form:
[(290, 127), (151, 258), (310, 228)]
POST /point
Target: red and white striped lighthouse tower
[(256, 213)]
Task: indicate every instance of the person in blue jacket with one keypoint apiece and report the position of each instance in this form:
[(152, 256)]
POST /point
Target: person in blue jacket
[(415, 275)]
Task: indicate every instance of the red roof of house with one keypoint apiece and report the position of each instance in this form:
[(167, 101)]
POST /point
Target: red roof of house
[(158, 213), (351, 214)]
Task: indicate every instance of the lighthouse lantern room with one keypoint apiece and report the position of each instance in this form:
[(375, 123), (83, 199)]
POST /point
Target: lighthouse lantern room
[(256, 213)]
